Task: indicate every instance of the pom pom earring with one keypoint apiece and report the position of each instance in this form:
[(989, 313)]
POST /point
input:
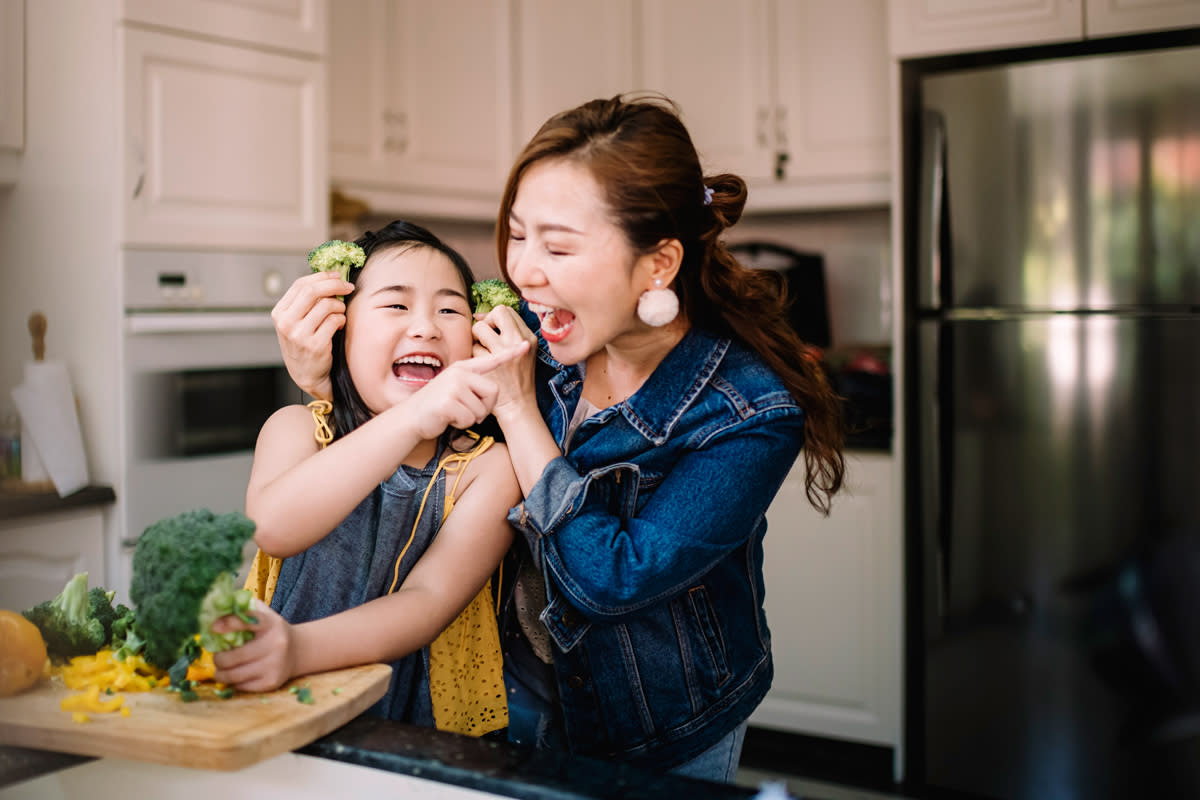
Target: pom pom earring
[(658, 306)]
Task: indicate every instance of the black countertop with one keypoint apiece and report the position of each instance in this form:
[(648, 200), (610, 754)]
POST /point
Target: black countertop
[(487, 765), (19, 502)]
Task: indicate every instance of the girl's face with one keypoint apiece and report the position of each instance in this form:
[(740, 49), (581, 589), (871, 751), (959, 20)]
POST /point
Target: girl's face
[(571, 262), (409, 319)]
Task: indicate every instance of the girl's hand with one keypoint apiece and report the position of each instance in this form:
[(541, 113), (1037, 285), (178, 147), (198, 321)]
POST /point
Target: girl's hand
[(462, 395), (500, 330), (306, 318), (265, 662)]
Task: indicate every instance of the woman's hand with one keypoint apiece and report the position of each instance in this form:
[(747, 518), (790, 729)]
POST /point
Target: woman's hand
[(500, 330), (265, 662), (306, 318)]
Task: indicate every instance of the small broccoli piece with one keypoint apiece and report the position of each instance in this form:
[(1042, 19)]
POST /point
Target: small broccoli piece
[(177, 562), (486, 295), (336, 256), (73, 623)]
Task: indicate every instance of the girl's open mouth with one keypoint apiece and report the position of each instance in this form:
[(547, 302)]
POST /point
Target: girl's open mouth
[(556, 322), (417, 368)]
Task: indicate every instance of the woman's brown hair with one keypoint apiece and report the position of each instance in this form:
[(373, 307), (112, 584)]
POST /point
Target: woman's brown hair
[(641, 155)]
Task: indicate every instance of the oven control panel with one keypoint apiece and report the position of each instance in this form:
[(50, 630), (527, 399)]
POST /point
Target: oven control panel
[(180, 280)]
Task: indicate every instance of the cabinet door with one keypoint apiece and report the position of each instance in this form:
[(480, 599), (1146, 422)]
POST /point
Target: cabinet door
[(835, 607), (289, 24), (224, 146), (12, 75), (927, 27), (710, 57), (448, 94), (1114, 17), (832, 112), (39, 554), (358, 71), (570, 53)]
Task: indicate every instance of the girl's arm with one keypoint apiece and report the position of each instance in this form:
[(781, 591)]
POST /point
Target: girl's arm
[(465, 552), (298, 493)]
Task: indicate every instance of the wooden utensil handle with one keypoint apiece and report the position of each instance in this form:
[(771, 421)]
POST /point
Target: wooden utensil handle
[(37, 329)]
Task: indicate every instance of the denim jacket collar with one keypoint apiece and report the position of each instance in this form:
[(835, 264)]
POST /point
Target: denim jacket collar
[(655, 408)]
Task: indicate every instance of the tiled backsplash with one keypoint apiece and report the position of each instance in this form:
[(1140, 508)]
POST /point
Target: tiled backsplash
[(856, 246)]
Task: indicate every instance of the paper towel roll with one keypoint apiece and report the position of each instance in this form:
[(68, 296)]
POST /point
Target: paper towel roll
[(46, 404)]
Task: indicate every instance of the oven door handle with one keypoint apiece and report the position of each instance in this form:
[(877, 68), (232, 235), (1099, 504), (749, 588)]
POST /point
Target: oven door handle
[(199, 322)]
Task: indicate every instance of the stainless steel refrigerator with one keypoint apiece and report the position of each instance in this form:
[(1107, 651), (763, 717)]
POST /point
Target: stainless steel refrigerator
[(1054, 411)]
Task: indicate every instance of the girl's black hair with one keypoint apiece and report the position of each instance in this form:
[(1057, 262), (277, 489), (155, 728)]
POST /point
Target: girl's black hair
[(349, 410)]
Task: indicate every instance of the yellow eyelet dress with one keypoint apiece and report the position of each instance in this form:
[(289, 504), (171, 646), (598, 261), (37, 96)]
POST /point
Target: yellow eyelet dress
[(466, 683)]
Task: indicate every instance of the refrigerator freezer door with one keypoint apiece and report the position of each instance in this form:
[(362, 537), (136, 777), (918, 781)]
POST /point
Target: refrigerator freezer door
[(1072, 183), (1066, 446)]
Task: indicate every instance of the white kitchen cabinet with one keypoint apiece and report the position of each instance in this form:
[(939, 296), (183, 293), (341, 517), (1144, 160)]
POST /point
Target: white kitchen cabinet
[(224, 145), (935, 27), (835, 606), (40, 553), (12, 87), (429, 85), (570, 53), (297, 25), (790, 94), (1115, 17), (928, 27)]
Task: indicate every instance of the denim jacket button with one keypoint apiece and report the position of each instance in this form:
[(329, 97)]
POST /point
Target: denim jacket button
[(569, 619), (575, 682)]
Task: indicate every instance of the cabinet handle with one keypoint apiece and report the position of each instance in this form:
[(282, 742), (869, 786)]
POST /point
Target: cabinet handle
[(781, 127), (760, 128), (139, 156)]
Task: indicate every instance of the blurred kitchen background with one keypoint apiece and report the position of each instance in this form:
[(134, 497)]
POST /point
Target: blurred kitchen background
[(166, 164)]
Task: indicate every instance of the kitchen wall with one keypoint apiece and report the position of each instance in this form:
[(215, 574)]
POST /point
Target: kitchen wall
[(856, 246)]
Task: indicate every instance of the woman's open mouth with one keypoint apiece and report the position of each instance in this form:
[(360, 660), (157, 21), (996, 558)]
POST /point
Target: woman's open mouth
[(556, 322), (417, 368)]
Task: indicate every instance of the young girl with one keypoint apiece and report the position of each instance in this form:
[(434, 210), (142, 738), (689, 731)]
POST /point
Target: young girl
[(370, 572)]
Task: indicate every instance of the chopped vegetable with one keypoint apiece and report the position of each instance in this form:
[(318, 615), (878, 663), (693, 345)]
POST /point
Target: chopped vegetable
[(90, 701), (183, 569), (76, 622), (305, 695), (336, 256), (486, 295)]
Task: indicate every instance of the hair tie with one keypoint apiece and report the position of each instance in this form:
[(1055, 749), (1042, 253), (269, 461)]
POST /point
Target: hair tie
[(708, 193)]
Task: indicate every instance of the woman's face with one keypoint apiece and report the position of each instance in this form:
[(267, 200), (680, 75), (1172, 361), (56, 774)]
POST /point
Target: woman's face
[(571, 262), (408, 320)]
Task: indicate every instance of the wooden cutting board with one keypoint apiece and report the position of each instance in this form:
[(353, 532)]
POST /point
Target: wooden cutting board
[(209, 733)]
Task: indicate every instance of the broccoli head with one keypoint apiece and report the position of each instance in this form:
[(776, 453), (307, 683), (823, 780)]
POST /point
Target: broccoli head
[(77, 622), (336, 256), (183, 569), (486, 295)]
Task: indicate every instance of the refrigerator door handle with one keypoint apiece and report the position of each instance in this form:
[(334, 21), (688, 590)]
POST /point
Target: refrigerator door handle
[(933, 267)]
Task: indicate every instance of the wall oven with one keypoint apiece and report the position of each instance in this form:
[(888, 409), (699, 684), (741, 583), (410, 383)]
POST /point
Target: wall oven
[(201, 373)]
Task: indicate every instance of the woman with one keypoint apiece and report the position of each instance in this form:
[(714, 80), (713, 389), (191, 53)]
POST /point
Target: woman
[(667, 401)]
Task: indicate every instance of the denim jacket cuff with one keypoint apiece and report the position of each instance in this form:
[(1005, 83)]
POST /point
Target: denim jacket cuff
[(553, 499)]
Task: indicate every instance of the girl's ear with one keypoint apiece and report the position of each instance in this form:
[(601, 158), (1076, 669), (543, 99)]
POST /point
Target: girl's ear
[(662, 264)]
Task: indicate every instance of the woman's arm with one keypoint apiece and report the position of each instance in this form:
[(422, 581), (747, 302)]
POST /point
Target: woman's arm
[(532, 446), (704, 507), (463, 555)]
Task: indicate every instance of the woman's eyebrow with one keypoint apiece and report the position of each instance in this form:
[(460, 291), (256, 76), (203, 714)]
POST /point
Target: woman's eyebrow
[(544, 227)]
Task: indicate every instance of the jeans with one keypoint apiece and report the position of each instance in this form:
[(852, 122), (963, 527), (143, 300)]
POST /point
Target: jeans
[(718, 763)]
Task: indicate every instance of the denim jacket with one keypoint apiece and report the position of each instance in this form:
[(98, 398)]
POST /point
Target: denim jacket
[(649, 533)]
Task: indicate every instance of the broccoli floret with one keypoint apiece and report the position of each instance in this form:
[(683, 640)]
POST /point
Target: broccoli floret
[(73, 623), (493, 292), (336, 255), (178, 561)]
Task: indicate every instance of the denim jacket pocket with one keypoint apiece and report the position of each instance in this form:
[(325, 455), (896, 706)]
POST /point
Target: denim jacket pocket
[(567, 626)]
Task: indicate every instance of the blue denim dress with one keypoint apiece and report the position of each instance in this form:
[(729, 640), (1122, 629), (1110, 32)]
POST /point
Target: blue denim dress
[(355, 563)]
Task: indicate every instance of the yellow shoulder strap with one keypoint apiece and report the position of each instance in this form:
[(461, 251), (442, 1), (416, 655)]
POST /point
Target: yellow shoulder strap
[(452, 463)]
